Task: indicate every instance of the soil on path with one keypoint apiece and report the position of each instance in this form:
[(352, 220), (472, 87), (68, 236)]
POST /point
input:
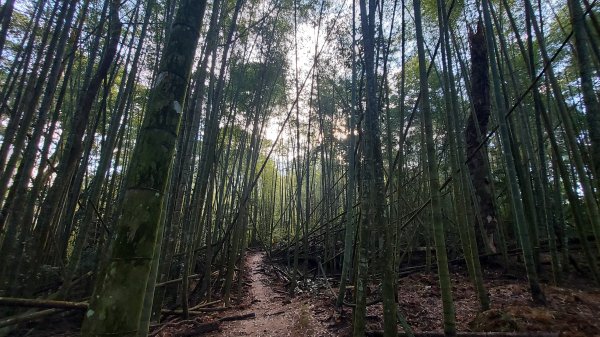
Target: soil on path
[(276, 314)]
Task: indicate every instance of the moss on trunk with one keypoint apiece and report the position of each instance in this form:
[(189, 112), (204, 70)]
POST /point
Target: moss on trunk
[(116, 305)]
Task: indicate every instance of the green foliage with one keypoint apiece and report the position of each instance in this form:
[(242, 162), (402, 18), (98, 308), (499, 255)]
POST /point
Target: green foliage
[(430, 10), (255, 84)]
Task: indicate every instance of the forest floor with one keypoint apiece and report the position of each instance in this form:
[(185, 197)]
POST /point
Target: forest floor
[(264, 308), (572, 311), (269, 308), (275, 313)]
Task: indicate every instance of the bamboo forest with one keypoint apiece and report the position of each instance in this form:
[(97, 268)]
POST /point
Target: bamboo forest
[(425, 168)]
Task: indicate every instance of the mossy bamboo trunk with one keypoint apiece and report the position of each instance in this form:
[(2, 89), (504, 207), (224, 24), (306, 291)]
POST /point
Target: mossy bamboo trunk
[(116, 305)]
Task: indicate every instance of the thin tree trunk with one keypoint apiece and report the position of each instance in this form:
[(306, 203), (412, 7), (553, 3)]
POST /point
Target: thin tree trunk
[(590, 98), (434, 188), (509, 164)]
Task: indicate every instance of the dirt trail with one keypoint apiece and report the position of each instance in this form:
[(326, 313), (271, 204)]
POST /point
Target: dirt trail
[(276, 315)]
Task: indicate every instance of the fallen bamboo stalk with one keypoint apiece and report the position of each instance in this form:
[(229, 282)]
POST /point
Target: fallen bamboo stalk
[(66, 305), (37, 303), (284, 275), (325, 277), (379, 333), (28, 317), (204, 305), (177, 280)]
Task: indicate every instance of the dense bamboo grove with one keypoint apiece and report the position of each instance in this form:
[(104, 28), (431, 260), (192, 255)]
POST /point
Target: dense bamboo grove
[(146, 144)]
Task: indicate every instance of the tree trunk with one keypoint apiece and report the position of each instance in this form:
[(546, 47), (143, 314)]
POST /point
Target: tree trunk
[(475, 133), (118, 298), (434, 187)]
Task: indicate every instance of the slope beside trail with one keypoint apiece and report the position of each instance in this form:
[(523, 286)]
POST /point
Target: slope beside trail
[(275, 313)]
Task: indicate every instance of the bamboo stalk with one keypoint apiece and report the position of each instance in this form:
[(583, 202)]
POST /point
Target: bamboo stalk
[(38, 303), (377, 333)]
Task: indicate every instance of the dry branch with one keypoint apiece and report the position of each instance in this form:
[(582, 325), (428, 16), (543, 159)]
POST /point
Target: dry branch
[(198, 329), (160, 327), (276, 313), (281, 274), (197, 311)]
